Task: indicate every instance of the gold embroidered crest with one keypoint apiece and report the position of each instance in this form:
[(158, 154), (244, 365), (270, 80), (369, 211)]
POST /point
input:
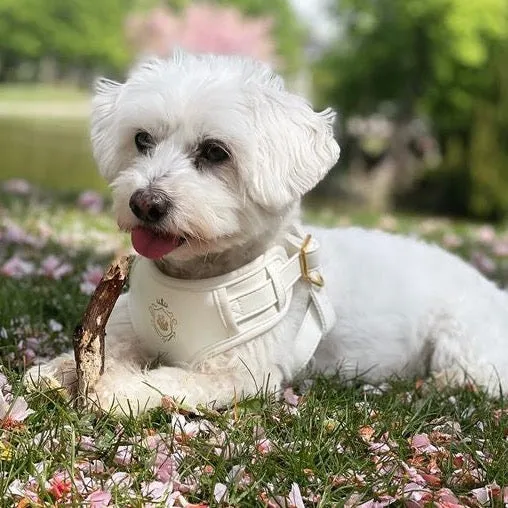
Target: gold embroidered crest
[(163, 320)]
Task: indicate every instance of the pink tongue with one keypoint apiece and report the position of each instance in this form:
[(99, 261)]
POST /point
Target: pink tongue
[(152, 246)]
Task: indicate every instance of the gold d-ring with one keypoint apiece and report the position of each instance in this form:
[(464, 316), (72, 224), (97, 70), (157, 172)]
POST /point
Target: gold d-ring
[(316, 278)]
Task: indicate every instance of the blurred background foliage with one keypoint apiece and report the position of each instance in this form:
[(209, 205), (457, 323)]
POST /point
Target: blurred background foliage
[(421, 86), (444, 60)]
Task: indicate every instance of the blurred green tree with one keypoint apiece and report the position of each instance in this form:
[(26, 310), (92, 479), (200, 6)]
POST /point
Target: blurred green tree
[(82, 33), (444, 59), (89, 34)]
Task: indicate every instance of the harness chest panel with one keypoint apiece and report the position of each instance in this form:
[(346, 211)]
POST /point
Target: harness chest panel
[(191, 320)]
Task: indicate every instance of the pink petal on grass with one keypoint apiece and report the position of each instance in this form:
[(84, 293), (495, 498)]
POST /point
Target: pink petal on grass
[(452, 241), (290, 397), (91, 278), (54, 268), (91, 201), (165, 467), (422, 444), (264, 446), (123, 455), (483, 262), (59, 486), (98, 499), (17, 268), (119, 479), (87, 443), (157, 491), (485, 234), (447, 499), (16, 410), (486, 495), (416, 492), (220, 493), (295, 497)]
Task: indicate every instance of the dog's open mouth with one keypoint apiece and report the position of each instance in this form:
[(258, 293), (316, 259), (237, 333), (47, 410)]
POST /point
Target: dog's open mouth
[(152, 245)]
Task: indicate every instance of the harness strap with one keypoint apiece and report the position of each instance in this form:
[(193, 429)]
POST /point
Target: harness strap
[(276, 291)]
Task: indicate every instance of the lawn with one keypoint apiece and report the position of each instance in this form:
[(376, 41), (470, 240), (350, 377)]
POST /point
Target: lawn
[(323, 444), (44, 137)]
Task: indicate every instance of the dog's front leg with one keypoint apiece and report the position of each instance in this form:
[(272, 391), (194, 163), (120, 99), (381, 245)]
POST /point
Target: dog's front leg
[(129, 390)]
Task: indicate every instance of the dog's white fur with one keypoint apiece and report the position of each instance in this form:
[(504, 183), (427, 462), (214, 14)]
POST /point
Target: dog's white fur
[(404, 307)]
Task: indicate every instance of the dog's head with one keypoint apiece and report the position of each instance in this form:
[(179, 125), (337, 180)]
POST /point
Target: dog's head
[(202, 152)]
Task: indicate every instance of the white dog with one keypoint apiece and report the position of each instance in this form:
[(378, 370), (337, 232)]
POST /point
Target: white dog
[(208, 158)]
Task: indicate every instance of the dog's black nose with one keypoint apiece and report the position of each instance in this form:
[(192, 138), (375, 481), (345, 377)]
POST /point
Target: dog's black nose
[(149, 205)]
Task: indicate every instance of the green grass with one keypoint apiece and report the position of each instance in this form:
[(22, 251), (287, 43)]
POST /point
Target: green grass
[(41, 93), (44, 137), (339, 444), (55, 153)]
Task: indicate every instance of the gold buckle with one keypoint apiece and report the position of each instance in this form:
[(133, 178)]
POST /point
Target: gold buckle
[(316, 278)]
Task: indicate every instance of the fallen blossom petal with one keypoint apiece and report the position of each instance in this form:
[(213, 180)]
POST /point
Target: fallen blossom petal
[(485, 234), (165, 467), (17, 268), (98, 499), (59, 486), (422, 444), (87, 443), (467, 477), (486, 495), (54, 268), (264, 446), (157, 491), (235, 474), (295, 496), (452, 241), (220, 492), (447, 499), (20, 410), (500, 248), (119, 479), (431, 479), (353, 500), (123, 455), (416, 492), (91, 201), (483, 262), (95, 466), (16, 410), (380, 448), (91, 279), (290, 397), (505, 495), (482, 495)]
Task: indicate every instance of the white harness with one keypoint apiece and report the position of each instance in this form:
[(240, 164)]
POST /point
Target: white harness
[(191, 320)]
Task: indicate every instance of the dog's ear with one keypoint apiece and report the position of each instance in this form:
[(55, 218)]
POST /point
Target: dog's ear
[(103, 140), (296, 148)]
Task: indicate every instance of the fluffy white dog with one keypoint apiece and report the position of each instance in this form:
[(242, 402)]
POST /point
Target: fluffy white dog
[(208, 158)]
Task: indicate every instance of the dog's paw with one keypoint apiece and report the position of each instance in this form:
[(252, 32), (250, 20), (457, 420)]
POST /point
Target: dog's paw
[(101, 399), (58, 375)]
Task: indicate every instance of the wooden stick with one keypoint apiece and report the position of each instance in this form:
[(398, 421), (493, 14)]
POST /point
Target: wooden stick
[(88, 340)]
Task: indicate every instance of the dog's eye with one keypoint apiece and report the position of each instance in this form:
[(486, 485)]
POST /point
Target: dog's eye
[(144, 142), (214, 152)]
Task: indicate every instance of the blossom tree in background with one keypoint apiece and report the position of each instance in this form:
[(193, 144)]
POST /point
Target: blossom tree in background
[(201, 28)]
